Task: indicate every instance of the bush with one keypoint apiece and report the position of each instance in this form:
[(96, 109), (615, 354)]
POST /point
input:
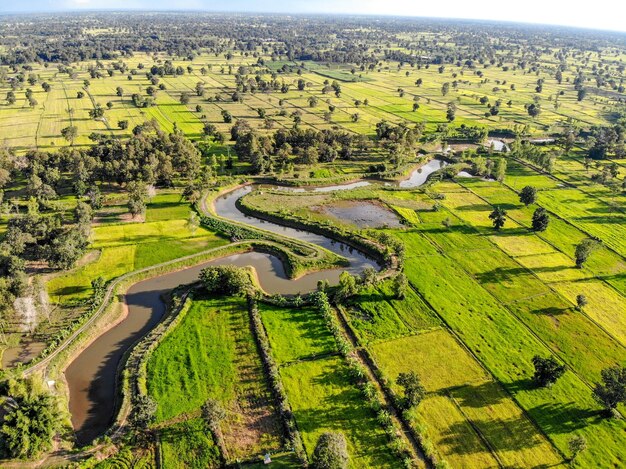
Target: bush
[(331, 452), (226, 279)]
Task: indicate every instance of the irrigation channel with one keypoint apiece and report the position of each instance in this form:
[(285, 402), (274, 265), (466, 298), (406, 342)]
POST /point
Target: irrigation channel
[(92, 376)]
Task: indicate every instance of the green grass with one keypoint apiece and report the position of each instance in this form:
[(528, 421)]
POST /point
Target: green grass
[(296, 333), (212, 354), (189, 445), (323, 399), (119, 248), (375, 313), (196, 360), (505, 346)]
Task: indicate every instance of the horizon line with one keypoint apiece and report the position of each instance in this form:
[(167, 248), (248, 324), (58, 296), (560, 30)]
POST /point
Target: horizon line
[(304, 14)]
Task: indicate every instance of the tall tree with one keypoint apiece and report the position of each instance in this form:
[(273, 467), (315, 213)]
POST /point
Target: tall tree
[(528, 195), (547, 371), (498, 218), (412, 387), (584, 250), (612, 390), (541, 219)]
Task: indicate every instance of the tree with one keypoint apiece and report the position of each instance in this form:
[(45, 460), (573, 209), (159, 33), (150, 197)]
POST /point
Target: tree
[(97, 112), (581, 301), (445, 88), (413, 390), (11, 97), (581, 94), (331, 452), (30, 421), (498, 217), (227, 279), (612, 390), (547, 371), (95, 197), (137, 197), (70, 133), (143, 412), (541, 219), (227, 116), (451, 112), (528, 195), (123, 124), (184, 98), (400, 285), (533, 110), (65, 249), (577, 444), (347, 286), (584, 250), (500, 169)]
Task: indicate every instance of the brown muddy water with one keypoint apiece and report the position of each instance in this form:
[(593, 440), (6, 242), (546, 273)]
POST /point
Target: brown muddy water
[(92, 376)]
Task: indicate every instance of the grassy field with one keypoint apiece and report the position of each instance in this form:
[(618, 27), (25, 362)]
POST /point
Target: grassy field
[(376, 314), (320, 391), (189, 445), (469, 418), (212, 354), (323, 399), (296, 334), (120, 247), (23, 128)]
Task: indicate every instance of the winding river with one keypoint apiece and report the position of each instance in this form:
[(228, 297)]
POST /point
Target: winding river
[(92, 376)]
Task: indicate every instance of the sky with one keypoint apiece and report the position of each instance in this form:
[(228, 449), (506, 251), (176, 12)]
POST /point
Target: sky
[(609, 15)]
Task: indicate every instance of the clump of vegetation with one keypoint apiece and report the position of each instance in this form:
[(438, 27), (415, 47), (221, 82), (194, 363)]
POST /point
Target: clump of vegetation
[(498, 218), (547, 371), (612, 390), (412, 387), (226, 279), (541, 220), (331, 452), (583, 250), (30, 421)]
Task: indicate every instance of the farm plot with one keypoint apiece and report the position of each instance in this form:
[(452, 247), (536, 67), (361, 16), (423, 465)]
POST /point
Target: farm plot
[(471, 421), (323, 399), (320, 391), (212, 354), (124, 247)]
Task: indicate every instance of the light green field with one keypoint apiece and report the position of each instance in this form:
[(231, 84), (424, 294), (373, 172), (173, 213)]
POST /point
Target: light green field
[(119, 248), (469, 418), (323, 399)]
